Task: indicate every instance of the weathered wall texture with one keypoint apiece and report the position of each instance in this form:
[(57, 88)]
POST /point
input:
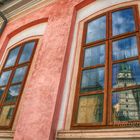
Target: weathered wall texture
[(37, 111)]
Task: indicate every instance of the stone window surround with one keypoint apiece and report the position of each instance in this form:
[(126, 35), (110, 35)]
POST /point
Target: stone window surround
[(64, 131)]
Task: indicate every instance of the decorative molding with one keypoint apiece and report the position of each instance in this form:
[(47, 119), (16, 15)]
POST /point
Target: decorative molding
[(10, 4), (17, 7), (6, 135), (3, 22), (102, 134)]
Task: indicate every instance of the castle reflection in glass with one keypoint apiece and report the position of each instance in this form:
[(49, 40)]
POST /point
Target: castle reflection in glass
[(126, 104)]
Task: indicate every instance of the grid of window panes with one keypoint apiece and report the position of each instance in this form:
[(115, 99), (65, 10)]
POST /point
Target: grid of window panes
[(12, 79), (125, 68), (110, 51)]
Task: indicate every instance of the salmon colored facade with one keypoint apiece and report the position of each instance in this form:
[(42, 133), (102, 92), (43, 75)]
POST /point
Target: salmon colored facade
[(38, 113)]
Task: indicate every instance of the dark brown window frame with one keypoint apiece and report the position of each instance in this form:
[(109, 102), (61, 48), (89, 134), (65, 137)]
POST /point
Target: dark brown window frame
[(106, 123), (14, 68)]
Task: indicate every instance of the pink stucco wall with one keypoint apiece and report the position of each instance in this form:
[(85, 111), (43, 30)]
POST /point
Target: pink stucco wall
[(42, 96)]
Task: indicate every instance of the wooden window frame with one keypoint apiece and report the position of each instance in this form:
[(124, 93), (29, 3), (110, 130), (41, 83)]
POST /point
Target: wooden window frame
[(106, 123), (22, 83)]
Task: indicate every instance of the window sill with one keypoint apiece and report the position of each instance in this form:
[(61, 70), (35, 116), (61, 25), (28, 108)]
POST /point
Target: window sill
[(102, 134), (6, 135)]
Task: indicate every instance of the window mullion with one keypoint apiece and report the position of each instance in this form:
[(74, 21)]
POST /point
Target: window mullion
[(19, 54), (109, 86), (106, 89), (107, 102), (138, 46)]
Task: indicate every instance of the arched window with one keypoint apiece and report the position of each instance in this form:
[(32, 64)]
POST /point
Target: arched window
[(108, 84), (12, 79)]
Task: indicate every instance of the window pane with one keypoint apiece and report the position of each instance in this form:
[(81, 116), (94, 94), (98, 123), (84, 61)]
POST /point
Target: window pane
[(5, 77), (125, 48), (90, 109), (123, 21), (13, 92), (94, 55), (126, 105), (6, 115), (126, 74), (96, 30), (12, 57), (19, 74), (27, 52), (92, 80)]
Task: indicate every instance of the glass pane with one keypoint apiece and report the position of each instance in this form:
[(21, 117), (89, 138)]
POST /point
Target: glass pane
[(123, 21), (90, 109), (5, 77), (125, 48), (126, 105), (6, 115), (19, 74), (96, 30), (94, 55), (13, 92), (12, 57), (126, 74), (27, 52), (2, 91), (92, 80)]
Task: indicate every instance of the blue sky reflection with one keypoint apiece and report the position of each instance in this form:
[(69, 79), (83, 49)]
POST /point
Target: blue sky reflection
[(96, 30), (123, 21), (124, 48)]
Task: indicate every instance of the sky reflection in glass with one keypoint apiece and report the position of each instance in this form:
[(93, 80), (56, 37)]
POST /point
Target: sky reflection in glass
[(12, 57), (27, 52), (123, 21), (124, 48), (96, 30), (19, 74), (94, 55), (13, 92), (125, 105), (130, 75), (92, 80), (5, 77)]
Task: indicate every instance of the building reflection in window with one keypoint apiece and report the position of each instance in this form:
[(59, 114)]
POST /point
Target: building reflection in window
[(126, 104)]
